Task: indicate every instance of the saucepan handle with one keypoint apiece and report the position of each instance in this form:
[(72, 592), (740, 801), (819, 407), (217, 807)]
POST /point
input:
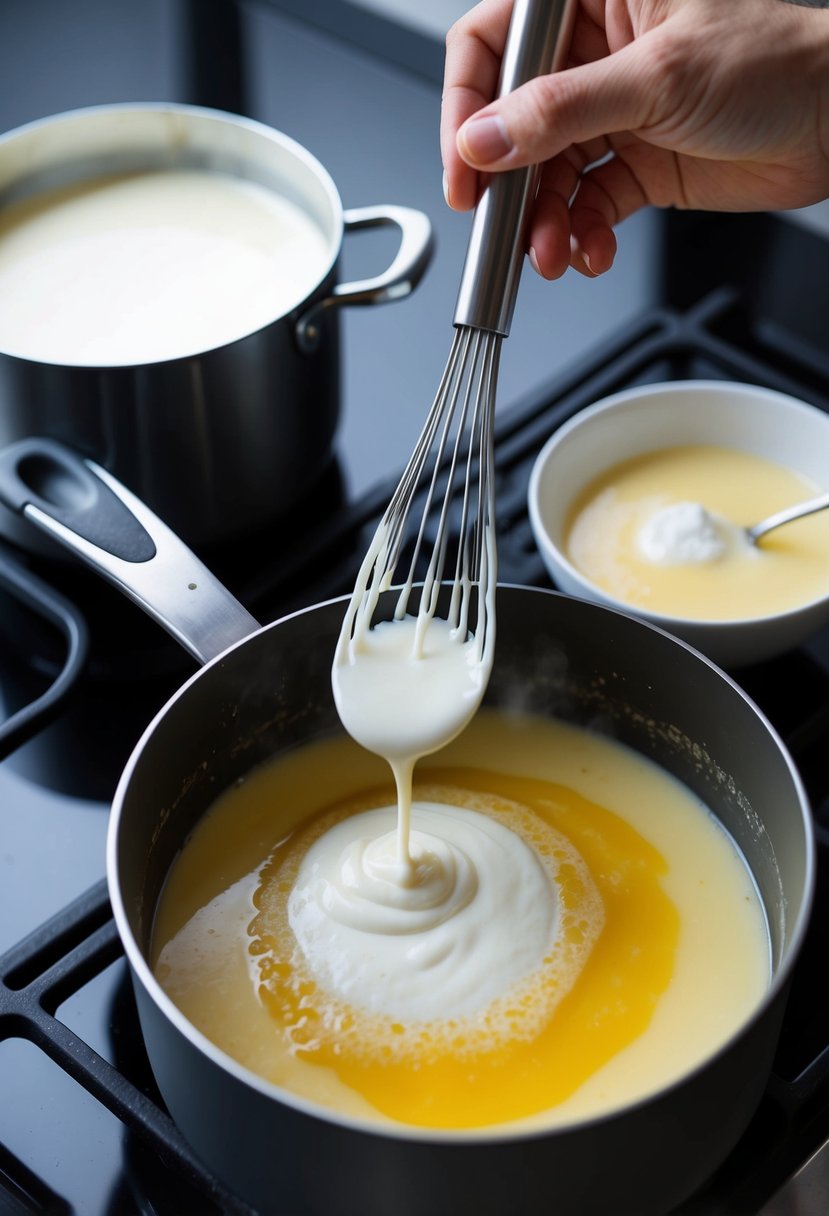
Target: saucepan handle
[(398, 281), (89, 512)]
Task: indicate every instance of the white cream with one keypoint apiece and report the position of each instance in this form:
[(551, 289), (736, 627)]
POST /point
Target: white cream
[(480, 915), (404, 692), (684, 533), (143, 267), (447, 913)]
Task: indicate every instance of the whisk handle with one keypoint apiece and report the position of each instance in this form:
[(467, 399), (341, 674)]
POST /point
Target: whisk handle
[(537, 43)]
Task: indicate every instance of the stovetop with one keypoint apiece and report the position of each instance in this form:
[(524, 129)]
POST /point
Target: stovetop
[(82, 1128)]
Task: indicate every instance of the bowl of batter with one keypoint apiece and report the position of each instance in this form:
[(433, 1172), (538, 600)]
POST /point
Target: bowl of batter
[(641, 502)]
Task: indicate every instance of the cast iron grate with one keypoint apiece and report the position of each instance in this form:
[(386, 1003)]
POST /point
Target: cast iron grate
[(716, 339)]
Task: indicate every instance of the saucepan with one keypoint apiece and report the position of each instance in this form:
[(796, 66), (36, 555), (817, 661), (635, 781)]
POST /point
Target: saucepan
[(246, 424), (264, 691)]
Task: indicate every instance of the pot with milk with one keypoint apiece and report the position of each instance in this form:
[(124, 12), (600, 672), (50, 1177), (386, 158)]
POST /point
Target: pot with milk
[(169, 305)]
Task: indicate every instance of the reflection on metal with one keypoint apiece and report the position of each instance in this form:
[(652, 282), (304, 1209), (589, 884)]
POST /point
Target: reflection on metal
[(807, 1192)]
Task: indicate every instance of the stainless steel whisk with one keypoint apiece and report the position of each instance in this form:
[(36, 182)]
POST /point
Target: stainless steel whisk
[(457, 438)]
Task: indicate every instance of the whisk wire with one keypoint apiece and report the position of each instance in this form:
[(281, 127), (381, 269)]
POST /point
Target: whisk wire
[(457, 506)]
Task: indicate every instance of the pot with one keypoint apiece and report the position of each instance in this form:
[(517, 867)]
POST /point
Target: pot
[(247, 426), (264, 691)]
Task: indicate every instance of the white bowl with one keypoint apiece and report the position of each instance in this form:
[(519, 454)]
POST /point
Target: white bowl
[(754, 419)]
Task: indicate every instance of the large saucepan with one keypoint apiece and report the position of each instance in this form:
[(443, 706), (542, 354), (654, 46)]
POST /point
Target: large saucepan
[(263, 691), (246, 426)]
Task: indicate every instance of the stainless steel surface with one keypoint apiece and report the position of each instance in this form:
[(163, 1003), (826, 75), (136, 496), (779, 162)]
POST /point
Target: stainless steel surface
[(787, 516), (461, 417), (401, 277), (456, 444), (247, 427), (538, 42), (807, 1191), (162, 575)]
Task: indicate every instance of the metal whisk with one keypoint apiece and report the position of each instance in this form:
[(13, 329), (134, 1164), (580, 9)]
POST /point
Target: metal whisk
[(456, 442)]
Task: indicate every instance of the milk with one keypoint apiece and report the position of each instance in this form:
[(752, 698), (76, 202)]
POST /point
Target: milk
[(141, 267)]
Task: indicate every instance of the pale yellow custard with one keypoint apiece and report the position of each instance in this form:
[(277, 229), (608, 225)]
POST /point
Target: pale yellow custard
[(607, 531), (659, 923)]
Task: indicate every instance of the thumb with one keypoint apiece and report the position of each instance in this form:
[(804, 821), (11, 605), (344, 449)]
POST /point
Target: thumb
[(548, 114)]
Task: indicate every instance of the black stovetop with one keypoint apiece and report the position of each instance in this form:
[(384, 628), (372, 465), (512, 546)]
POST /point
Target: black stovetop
[(82, 1129)]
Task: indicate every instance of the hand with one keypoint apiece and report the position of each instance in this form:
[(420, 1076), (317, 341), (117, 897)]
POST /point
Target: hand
[(719, 105)]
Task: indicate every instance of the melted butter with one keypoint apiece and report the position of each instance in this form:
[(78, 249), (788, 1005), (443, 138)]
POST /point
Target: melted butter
[(679, 961), (787, 569)]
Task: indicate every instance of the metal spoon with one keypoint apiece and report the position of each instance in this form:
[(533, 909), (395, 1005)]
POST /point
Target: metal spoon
[(786, 516)]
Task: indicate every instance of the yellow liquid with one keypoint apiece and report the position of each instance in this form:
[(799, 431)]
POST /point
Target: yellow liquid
[(681, 960), (788, 568)]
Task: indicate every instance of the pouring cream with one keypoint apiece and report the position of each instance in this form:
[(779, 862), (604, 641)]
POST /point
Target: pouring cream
[(404, 692), (404, 911)]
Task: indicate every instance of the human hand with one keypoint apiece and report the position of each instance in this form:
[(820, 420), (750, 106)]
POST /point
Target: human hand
[(718, 105)]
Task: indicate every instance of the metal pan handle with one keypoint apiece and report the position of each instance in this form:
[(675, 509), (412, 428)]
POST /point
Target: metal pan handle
[(89, 512), (394, 283)]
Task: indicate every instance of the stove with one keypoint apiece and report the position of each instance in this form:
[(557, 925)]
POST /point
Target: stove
[(82, 1127)]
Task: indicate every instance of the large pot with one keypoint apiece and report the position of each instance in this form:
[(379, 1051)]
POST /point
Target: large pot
[(246, 427), (270, 691)]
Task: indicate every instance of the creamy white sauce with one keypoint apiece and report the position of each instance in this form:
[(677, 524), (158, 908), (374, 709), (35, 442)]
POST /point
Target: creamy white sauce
[(686, 533), (479, 915), (441, 920), (403, 692), (143, 267)]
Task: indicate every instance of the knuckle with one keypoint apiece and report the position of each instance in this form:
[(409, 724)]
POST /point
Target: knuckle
[(673, 68), (542, 98)]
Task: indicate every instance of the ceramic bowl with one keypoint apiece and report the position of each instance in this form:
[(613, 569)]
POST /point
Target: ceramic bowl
[(755, 419)]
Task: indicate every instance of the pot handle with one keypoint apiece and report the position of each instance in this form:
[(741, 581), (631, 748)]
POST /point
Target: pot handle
[(90, 513), (398, 281)]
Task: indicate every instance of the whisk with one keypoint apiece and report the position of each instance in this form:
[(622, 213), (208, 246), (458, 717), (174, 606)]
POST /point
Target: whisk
[(456, 442)]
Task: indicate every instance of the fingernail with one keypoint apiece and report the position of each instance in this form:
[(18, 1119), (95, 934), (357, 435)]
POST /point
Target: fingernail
[(446, 188), (534, 262), (485, 140), (577, 252)]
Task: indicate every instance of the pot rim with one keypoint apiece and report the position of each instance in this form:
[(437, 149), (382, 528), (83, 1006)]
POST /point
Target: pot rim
[(497, 1133), (291, 146)]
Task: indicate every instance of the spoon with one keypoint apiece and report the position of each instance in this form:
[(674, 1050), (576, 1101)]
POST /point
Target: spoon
[(786, 516)]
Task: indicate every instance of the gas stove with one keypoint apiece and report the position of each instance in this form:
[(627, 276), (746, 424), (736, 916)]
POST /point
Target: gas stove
[(82, 1127)]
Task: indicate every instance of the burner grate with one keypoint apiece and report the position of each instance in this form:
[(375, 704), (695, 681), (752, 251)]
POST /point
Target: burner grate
[(716, 339)]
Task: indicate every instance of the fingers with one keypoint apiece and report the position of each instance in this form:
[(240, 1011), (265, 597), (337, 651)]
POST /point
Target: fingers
[(547, 115), (474, 48), (473, 61), (574, 214)]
